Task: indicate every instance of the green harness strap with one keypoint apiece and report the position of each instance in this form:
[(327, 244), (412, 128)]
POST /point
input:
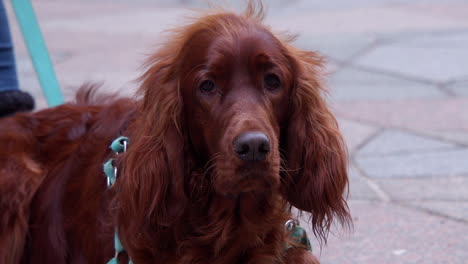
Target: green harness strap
[(119, 145), (37, 51)]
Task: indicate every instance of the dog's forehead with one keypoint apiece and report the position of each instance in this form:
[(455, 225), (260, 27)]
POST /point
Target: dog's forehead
[(230, 34), (231, 44), (244, 48)]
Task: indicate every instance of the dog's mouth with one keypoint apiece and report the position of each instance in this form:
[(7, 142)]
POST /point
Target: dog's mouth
[(245, 177)]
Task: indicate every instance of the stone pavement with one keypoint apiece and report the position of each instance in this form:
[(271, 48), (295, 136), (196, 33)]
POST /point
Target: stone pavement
[(398, 78)]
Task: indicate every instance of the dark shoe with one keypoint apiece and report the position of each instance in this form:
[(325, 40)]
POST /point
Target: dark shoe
[(15, 101)]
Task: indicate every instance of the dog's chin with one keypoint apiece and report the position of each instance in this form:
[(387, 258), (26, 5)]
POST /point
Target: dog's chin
[(258, 182)]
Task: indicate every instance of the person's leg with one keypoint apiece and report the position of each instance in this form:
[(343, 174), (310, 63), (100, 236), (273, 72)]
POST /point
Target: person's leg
[(11, 98)]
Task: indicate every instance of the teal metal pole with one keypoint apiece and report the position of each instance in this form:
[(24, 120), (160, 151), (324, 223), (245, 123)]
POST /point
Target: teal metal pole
[(38, 51)]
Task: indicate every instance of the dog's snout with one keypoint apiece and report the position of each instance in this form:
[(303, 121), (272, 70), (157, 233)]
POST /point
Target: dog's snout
[(252, 146)]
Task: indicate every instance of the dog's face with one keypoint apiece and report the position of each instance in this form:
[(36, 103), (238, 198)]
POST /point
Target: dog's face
[(236, 91), (226, 96)]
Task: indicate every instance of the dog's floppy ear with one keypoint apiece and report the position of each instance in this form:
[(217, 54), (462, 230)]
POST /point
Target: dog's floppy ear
[(150, 190), (316, 156)]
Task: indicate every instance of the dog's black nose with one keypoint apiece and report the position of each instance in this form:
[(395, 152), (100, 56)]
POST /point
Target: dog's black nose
[(252, 146)]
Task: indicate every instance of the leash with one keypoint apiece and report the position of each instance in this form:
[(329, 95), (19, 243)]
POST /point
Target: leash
[(119, 145), (37, 51), (297, 234)]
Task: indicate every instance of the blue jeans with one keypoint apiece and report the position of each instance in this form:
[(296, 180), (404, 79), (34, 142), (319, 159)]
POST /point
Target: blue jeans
[(8, 77)]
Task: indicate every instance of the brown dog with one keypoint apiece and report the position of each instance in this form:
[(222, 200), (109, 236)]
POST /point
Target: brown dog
[(231, 131)]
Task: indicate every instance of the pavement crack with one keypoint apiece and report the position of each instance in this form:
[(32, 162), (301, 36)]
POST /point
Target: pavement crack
[(368, 139), (393, 74), (374, 186), (444, 89), (431, 212)]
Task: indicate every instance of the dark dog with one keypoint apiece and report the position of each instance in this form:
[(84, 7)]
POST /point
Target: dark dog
[(231, 131)]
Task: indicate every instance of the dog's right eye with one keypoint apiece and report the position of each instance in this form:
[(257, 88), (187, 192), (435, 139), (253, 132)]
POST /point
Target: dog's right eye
[(272, 81), (207, 87)]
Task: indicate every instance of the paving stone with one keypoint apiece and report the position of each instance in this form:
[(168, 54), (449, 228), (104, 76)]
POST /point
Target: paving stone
[(354, 84), (427, 188), (145, 21), (355, 133), (358, 187), (443, 115), (330, 68), (455, 10), (386, 233), (118, 67), (29, 83), (331, 45), (433, 40), (366, 20), (318, 5), (395, 141), (440, 163), (459, 88), (458, 137), (430, 63), (454, 209), (48, 10), (24, 64)]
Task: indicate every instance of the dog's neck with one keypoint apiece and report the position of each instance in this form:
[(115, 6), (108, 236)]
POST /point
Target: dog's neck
[(220, 221), (224, 220)]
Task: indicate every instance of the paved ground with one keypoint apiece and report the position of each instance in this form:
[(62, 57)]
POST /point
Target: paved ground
[(399, 86)]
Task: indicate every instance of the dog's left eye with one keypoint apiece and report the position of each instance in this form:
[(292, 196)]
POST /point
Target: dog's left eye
[(207, 86), (272, 81)]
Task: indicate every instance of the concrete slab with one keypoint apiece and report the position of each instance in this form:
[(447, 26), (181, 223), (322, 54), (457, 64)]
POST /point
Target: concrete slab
[(332, 45), (456, 9), (359, 188), (381, 19), (24, 64), (117, 72), (440, 163), (387, 233), (454, 209), (436, 64), (453, 136), (445, 115), (432, 40), (318, 5), (355, 133), (460, 88), (436, 188), (47, 10), (30, 84), (144, 21), (352, 84), (395, 141)]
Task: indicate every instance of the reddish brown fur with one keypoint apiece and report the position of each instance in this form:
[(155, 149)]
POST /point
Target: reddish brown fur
[(182, 195)]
